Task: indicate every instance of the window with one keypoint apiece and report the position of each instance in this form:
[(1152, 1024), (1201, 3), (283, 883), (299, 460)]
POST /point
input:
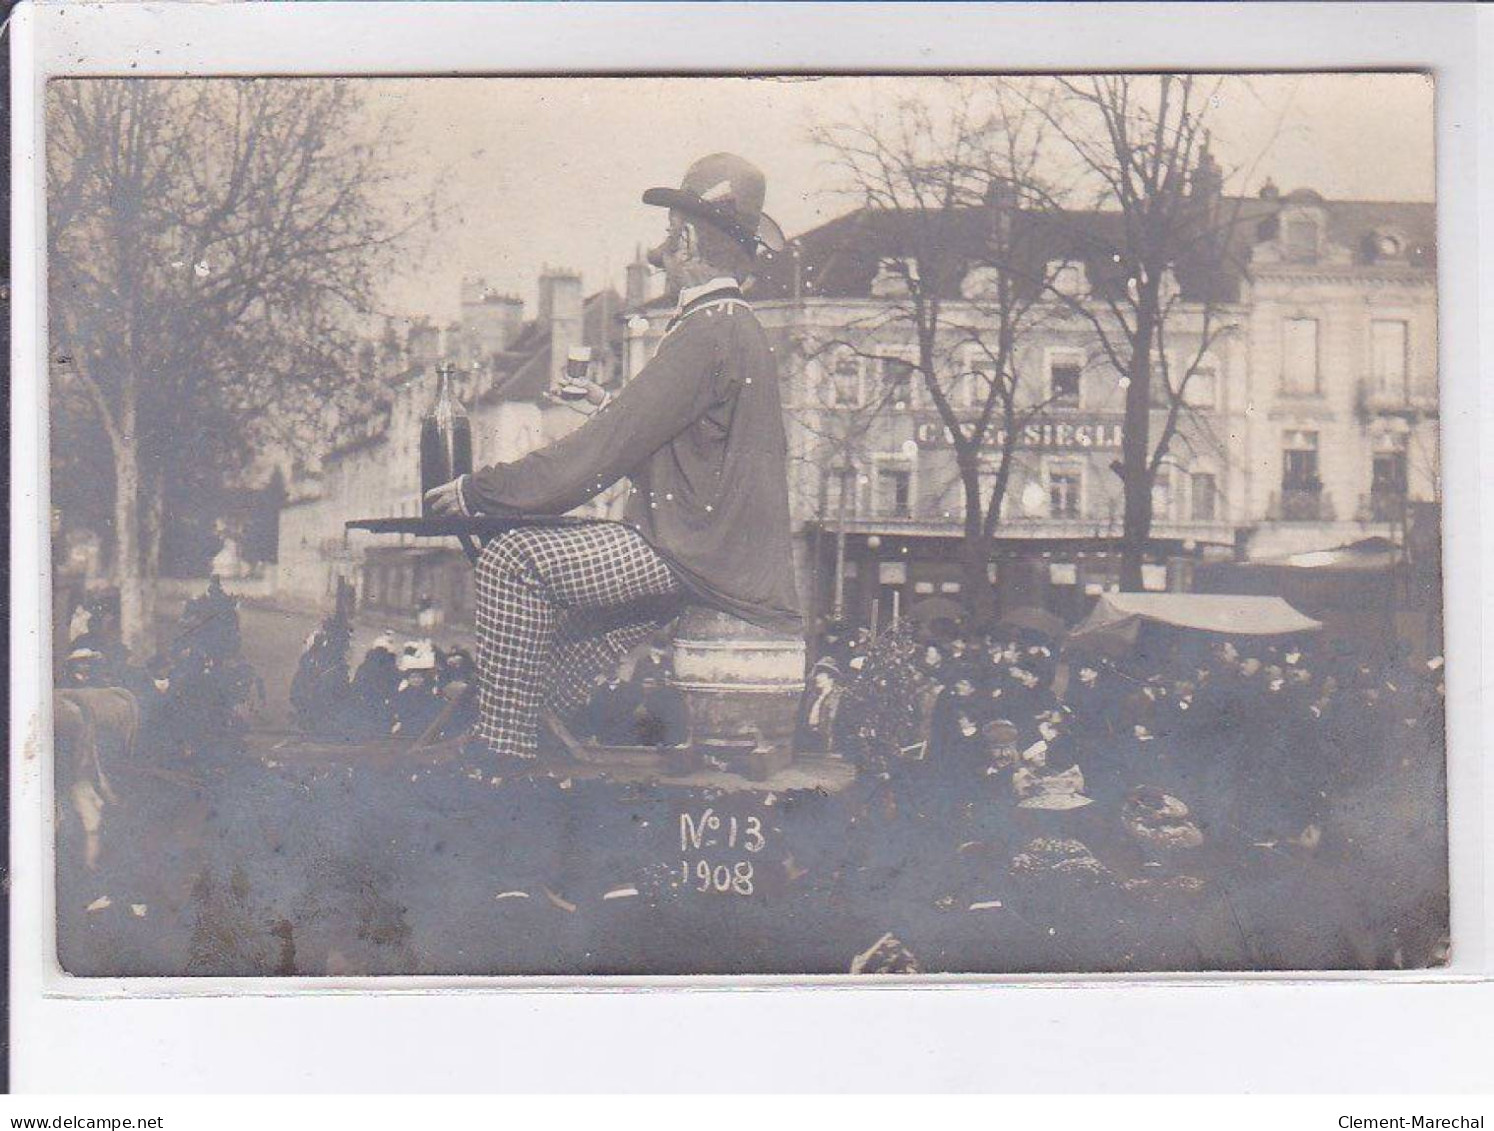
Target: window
[(986, 478), (1162, 494), (1202, 489), (1388, 486), (894, 277), (1388, 357), (894, 492), (975, 381), (897, 382), (1064, 485), (1064, 372), (1169, 288), (1299, 468), (981, 283), (844, 389), (1202, 390), (1299, 373), (1068, 278), (1389, 473), (1301, 238), (892, 573), (1388, 245), (1165, 375), (840, 485)]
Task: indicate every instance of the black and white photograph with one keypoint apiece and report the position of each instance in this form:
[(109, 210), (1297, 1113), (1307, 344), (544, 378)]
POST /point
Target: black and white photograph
[(907, 525)]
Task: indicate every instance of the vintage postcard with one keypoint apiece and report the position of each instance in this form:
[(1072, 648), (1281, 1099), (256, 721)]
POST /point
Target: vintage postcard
[(782, 526)]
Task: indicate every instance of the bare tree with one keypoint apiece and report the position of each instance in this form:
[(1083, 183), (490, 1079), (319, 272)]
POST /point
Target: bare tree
[(1141, 141), (834, 437), (943, 186), (211, 246)]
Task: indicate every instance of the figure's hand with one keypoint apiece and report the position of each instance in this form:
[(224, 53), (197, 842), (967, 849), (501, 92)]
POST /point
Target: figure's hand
[(444, 500), (585, 396)]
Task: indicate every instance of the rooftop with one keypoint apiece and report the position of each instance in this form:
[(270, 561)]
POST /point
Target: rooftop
[(842, 258), (519, 373)]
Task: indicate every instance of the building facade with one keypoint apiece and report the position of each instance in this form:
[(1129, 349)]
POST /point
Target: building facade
[(1342, 432), (505, 368), (1308, 420)]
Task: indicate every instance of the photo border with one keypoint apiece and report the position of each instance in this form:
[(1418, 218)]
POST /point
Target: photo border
[(391, 39)]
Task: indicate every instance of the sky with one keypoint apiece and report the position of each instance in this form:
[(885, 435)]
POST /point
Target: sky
[(548, 172)]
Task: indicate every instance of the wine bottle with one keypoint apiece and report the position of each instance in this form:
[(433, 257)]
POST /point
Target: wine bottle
[(445, 437)]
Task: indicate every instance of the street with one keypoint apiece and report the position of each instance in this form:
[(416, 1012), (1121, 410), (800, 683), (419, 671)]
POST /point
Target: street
[(274, 636)]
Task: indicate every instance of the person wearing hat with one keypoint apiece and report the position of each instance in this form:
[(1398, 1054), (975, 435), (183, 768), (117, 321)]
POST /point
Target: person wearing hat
[(955, 742), (698, 432), (415, 703), (819, 709), (374, 686), (612, 710), (836, 640)]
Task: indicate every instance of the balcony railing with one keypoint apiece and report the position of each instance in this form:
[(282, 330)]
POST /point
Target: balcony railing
[(1383, 506), (935, 522), (1412, 402), (1301, 504)]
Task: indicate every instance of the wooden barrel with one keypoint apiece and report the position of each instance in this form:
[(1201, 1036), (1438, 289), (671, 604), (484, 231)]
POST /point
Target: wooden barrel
[(741, 683)]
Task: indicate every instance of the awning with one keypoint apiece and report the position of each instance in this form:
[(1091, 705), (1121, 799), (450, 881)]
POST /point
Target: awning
[(1118, 616), (1368, 554), (1040, 621)]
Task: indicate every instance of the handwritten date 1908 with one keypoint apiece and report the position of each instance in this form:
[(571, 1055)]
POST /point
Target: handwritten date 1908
[(712, 830), (722, 879)]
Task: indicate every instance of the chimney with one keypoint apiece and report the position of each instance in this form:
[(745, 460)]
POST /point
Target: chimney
[(490, 321), (1206, 183), (1002, 200), (636, 293), (560, 311), (601, 331), (1001, 193)]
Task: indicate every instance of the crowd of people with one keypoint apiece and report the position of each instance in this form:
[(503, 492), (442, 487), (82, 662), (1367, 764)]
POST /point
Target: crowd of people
[(1193, 734), (998, 767), (413, 689), (405, 689), (191, 691), (1181, 737), (1247, 736)]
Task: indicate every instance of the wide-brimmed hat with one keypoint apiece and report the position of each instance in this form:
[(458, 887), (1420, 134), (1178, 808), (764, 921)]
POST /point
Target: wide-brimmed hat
[(826, 664), (417, 656), (1057, 792), (1001, 732), (1055, 802), (725, 191)]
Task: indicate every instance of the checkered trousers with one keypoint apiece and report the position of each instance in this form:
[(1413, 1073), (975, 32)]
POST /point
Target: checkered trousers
[(557, 606)]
